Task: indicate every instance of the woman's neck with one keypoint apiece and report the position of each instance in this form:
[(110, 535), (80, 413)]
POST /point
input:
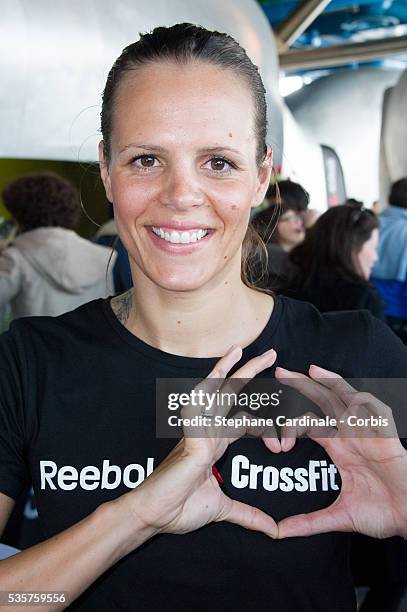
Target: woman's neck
[(200, 323)]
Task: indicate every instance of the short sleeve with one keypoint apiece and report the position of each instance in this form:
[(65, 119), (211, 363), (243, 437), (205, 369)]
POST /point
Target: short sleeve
[(14, 475)]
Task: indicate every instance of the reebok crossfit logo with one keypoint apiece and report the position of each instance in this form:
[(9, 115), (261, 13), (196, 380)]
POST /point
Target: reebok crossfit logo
[(92, 477), (317, 476)]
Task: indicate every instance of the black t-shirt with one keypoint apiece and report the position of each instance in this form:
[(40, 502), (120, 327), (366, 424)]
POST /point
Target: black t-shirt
[(78, 395)]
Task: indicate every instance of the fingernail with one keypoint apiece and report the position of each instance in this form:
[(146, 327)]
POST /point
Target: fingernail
[(269, 352), (317, 367), (283, 370), (285, 444), (323, 371)]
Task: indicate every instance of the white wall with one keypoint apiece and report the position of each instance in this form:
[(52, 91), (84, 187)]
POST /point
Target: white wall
[(394, 136), (344, 111), (303, 161), (55, 57)]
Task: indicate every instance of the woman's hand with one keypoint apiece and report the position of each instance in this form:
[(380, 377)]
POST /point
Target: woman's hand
[(182, 494), (373, 498)]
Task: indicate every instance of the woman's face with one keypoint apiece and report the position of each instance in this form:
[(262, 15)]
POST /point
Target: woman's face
[(182, 172), (367, 256), (290, 230)]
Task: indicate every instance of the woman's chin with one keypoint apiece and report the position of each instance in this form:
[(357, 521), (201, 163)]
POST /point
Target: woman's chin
[(180, 282)]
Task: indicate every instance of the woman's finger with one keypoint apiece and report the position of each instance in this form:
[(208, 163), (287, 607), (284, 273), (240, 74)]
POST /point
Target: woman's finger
[(249, 517), (304, 426), (244, 424), (237, 381), (226, 363), (332, 381), (329, 403), (321, 521), (256, 365), (212, 383)]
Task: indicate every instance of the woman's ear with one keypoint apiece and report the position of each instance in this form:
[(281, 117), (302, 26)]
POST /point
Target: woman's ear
[(263, 178), (104, 172)]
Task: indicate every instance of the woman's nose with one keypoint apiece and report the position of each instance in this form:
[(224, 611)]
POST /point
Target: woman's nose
[(181, 190)]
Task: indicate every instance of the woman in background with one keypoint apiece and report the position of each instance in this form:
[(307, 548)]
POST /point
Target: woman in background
[(49, 269), (281, 225), (331, 268)]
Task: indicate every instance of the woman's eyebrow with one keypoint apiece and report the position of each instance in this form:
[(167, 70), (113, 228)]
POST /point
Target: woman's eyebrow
[(146, 147), (219, 150), (151, 147)]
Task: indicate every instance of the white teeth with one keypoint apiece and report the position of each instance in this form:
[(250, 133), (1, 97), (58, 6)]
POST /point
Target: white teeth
[(180, 237)]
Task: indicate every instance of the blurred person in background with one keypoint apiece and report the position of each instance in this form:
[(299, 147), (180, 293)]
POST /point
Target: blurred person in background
[(390, 272), (281, 225), (354, 202), (8, 230), (331, 268), (49, 269), (295, 197), (107, 236)]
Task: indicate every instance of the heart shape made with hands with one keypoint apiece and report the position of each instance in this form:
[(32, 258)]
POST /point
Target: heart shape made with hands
[(373, 496)]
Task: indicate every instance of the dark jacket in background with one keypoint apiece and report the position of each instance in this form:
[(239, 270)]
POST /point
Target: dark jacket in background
[(107, 236), (329, 292)]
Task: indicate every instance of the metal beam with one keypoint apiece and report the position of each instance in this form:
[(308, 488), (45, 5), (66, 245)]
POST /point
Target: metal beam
[(343, 54), (299, 20)]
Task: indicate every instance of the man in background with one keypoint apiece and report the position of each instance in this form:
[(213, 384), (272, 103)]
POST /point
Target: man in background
[(390, 272)]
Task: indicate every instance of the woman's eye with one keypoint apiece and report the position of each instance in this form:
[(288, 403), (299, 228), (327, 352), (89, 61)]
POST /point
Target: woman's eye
[(220, 165), (144, 161)]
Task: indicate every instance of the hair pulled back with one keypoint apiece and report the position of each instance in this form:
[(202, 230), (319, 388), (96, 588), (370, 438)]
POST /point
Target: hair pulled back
[(181, 44)]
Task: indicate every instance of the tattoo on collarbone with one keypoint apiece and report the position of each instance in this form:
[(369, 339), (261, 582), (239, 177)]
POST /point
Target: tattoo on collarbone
[(122, 305)]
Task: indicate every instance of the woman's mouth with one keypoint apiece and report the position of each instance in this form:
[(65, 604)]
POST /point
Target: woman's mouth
[(180, 241), (180, 237)]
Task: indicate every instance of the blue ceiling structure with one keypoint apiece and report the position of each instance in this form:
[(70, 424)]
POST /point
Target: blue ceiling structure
[(346, 21)]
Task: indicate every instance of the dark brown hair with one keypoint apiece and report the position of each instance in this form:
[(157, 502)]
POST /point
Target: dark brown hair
[(266, 221), (282, 196), (42, 200), (398, 193), (332, 243), (181, 44), (291, 195)]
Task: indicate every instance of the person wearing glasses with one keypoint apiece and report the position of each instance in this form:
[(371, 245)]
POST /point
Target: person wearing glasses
[(281, 226), (332, 266)]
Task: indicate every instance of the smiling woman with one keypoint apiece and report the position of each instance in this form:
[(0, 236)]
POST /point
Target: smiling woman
[(184, 160), (182, 203)]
